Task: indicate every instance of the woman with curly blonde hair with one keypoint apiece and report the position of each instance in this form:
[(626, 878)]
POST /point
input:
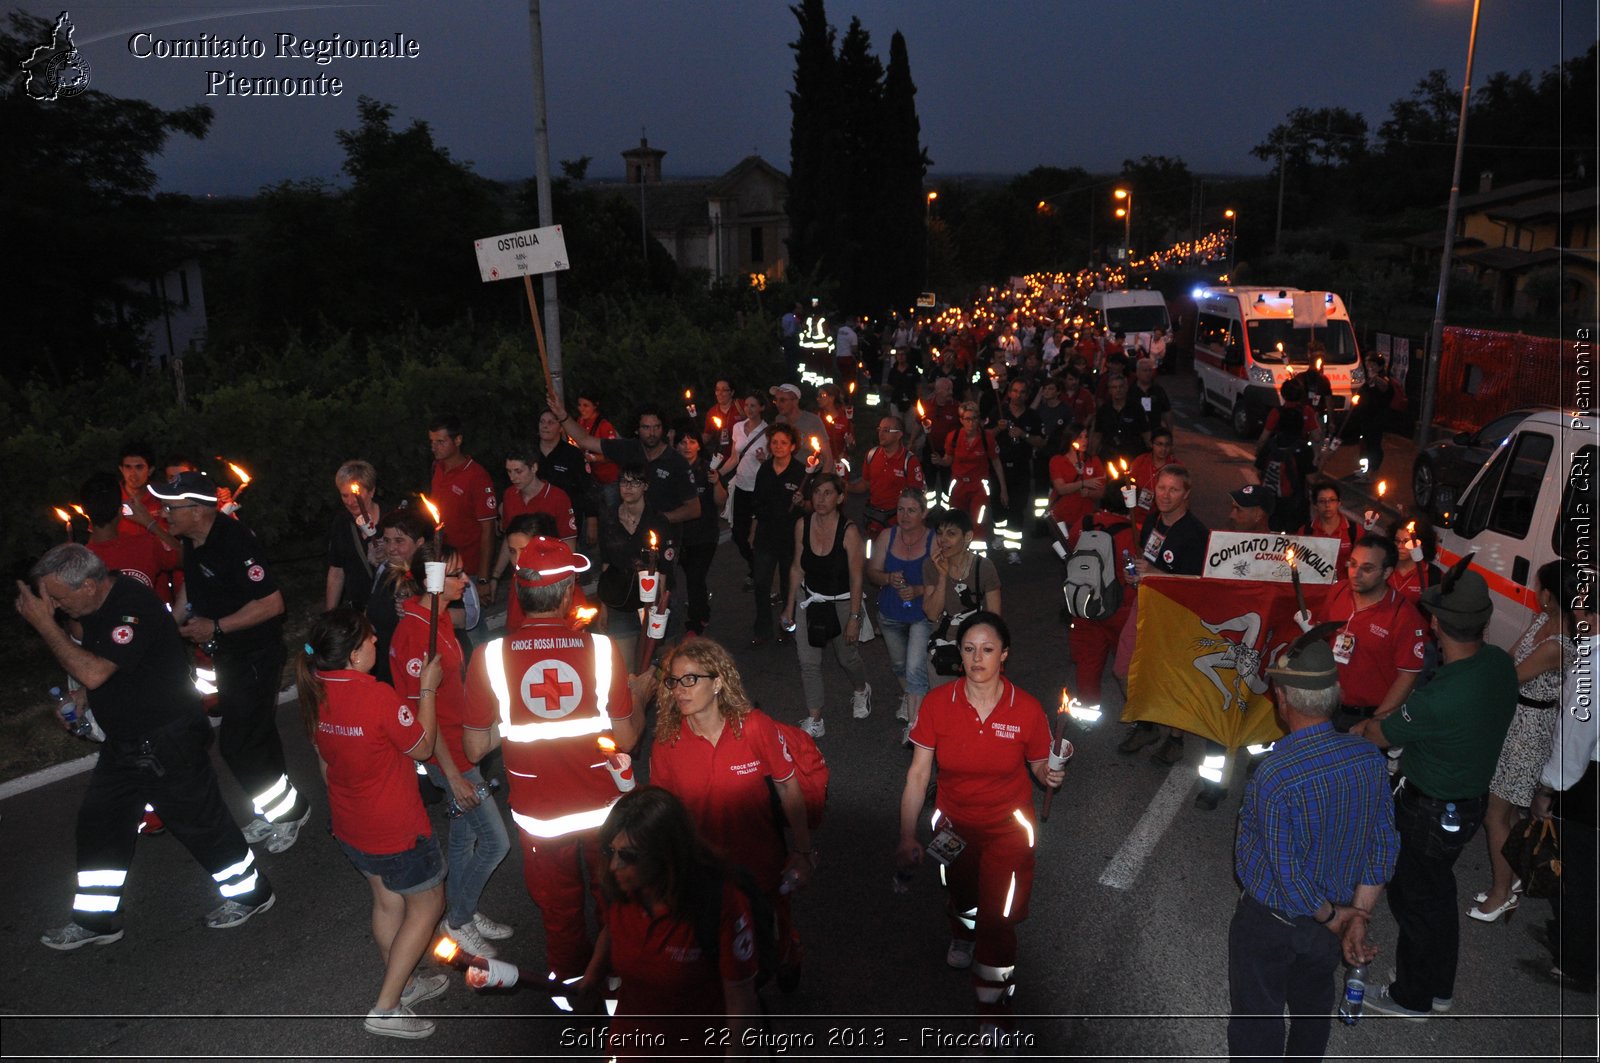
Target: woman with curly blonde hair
[(715, 751)]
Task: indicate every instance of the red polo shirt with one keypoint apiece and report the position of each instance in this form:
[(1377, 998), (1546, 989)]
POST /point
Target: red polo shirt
[(724, 787), (887, 475), (465, 496), (364, 730), (141, 555), (983, 773), (408, 651), (1387, 638), (549, 499)]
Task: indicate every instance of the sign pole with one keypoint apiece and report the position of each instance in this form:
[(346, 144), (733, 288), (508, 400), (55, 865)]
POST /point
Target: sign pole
[(538, 332)]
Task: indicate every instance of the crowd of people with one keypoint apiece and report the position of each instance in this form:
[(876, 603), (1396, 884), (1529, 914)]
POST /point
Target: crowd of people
[(988, 429)]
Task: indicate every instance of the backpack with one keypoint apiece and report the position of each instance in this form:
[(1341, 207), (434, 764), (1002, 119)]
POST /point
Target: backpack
[(1286, 457), (810, 771), (1092, 587), (708, 924)]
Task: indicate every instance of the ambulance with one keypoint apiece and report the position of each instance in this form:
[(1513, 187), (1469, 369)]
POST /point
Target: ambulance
[(1248, 341), (1136, 314), (1533, 501)]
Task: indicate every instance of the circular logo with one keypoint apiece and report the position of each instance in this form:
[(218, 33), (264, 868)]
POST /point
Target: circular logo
[(1417, 651), (414, 667), (407, 717), (1166, 555), (133, 573), (256, 573), (551, 689), (489, 500), (744, 943), (122, 634)]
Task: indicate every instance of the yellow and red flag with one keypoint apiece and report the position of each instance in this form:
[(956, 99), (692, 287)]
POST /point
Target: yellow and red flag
[(1201, 655)]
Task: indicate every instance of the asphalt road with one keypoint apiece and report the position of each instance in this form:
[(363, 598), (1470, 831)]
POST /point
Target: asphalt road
[(1104, 972)]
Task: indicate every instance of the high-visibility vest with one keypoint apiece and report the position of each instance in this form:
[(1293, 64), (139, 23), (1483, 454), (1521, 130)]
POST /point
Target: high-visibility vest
[(553, 685)]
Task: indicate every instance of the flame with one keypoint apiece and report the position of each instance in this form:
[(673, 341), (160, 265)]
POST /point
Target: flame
[(1124, 463), (243, 476), (79, 511), (1066, 700), (585, 614), (652, 540), (1111, 467), (1319, 365), (816, 447), (1411, 528), (1076, 445), (716, 421), (63, 516), (607, 744), (922, 414), (433, 511), (1288, 555), (828, 417), (446, 950), (355, 488), (852, 387), (688, 394), (1355, 400), (1383, 485)]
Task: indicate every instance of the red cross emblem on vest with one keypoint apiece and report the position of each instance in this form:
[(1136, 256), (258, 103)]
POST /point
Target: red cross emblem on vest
[(551, 689)]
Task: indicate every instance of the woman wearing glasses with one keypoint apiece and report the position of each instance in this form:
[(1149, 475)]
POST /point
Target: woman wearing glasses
[(716, 751), (478, 840), (401, 533), (679, 933), (624, 539)]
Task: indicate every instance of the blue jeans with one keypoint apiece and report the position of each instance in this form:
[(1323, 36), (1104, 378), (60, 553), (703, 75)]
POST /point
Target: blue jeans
[(478, 842), (908, 651)]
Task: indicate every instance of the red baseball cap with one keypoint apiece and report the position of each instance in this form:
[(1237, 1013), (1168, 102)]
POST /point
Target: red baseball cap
[(544, 562)]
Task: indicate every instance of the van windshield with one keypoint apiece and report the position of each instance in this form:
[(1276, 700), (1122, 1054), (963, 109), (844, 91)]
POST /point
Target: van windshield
[(1267, 334), (1136, 319)]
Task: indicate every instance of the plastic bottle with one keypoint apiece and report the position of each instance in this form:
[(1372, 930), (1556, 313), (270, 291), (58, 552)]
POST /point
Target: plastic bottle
[(484, 790), (1128, 566), (1450, 819), (1355, 995), (67, 709)]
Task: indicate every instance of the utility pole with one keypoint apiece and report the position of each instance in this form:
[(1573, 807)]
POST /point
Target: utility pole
[(541, 175), (1283, 161)]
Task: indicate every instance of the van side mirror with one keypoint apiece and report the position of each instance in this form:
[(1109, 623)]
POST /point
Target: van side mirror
[(1233, 355)]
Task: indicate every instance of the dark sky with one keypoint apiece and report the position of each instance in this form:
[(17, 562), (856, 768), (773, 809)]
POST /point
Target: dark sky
[(1003, 85)]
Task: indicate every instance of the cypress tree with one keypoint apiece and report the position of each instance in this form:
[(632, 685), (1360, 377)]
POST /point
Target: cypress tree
[(903, 232), (859, 171), (813, 200)]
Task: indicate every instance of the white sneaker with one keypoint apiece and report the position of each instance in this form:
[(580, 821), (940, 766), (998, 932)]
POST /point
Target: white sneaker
[(231, 913), (423, 987), (491, 930), (73, 936), (398, 1023), (470, 940), (861, 703), (812, 725), (959, 955), (903, 713), (284, 835), (256, 830)]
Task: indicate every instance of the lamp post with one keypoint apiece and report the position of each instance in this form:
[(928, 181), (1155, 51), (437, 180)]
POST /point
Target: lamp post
[(1430, 379), (927, 238), (1233, 229), (1125, 212)]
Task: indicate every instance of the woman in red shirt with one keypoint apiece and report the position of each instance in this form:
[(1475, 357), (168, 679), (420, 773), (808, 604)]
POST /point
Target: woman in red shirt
[(970, 452), (1078, 480), (678, 934), (991, 742), (478, 839), (715, 752), (367, 737)]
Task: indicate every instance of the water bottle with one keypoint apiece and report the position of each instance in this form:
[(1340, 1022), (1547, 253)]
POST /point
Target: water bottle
[(1355, 994), (1450, 819), (1129, 567), (67, 709), (483, 791)]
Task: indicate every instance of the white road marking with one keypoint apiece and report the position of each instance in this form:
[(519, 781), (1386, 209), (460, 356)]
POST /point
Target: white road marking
[(1237, 450), (1123, 870)]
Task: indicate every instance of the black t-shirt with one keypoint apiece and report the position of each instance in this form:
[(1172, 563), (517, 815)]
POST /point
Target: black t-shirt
[(1016, 453), (151, 686), (1121, 431), (564, 466), (901, 384), (668, 483), (223, 575), (347, 551), (773, 507), (1154, 403), (620, 548), (704, 528), (1179, 550)]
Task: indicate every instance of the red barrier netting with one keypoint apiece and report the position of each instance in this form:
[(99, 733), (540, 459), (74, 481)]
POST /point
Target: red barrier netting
[(1484, 374)]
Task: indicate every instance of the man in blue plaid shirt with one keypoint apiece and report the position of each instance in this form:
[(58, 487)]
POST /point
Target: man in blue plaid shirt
[(1316, 844)]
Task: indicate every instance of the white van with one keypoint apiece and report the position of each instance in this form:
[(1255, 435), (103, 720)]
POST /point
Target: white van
[(1248, 341), (1533, 501), (1137, 314)]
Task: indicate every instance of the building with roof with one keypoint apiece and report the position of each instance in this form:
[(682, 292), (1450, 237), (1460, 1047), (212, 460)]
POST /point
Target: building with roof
[(731, 226)]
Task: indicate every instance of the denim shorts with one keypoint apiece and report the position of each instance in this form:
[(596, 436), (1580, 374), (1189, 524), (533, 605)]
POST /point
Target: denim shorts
[(416, 870)]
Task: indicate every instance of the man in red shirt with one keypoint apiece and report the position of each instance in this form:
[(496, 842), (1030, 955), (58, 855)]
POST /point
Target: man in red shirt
[(136, 464), (889, 469), (464, 493), (943, 418), (553, 689), (1381, 646), (144, 555)]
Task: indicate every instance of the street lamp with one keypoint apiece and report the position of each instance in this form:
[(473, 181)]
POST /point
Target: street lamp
[(1430, 377), (927, 236), (1233, 228), (1126, 214)]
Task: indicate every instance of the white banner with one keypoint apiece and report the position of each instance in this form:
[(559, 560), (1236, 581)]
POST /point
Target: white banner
[(1261, 556), (1310, 310), (515, 254)]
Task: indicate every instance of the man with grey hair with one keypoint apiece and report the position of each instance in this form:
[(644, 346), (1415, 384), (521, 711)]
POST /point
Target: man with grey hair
[(1316, 843), (126, 653), (353, 537)]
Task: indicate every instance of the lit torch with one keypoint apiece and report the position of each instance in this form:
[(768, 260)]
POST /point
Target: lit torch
[(922, 414), (584, 615), (688, 402), (619, 764), (1370, 518), (435, 580), (66, 519), (361, 503), (484, 973), (1294, 577), (245, 478), (1060, 748)]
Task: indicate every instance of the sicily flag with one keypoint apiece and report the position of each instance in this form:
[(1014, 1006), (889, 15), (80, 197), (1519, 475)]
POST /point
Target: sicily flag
[(1201, 655)]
